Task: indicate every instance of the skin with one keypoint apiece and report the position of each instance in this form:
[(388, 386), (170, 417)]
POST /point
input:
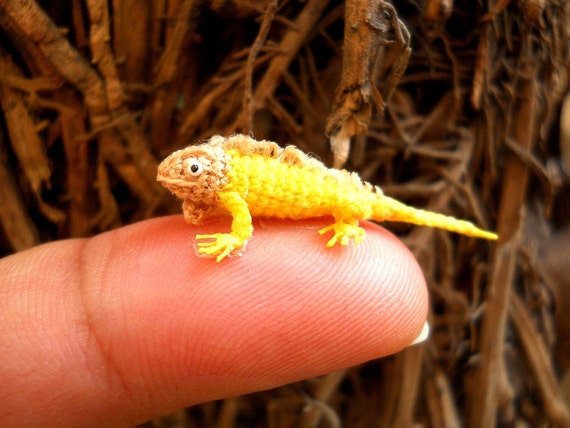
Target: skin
[(129, 325)]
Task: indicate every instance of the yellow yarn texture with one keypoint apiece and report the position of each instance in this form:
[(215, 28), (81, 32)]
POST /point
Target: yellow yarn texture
[(245, 178)]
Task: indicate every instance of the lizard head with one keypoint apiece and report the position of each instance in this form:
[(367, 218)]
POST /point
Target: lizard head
[(195, 174)]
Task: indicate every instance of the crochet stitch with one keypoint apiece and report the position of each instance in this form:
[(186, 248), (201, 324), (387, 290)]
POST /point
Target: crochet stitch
[(245, 178)]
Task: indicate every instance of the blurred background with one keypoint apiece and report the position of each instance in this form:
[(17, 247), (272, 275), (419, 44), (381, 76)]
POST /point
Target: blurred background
[(458, 107)]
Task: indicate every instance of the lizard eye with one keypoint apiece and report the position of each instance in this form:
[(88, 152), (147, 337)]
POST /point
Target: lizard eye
[(193, 166)]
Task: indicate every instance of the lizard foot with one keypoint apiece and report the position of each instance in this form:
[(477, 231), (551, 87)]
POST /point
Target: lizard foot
[(220, 245), (344, 232)]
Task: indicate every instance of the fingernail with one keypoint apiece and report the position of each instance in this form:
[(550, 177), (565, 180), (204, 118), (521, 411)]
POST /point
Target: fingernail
[(424, 334)]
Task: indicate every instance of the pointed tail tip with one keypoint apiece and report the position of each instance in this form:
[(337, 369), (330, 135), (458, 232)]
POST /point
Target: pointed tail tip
[(491, 236), (469, 229)]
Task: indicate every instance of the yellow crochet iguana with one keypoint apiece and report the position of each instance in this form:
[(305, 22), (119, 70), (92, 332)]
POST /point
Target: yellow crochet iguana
[(246, 178)]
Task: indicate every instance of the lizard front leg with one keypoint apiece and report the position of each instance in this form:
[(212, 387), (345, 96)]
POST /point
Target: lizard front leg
[(220, 245)]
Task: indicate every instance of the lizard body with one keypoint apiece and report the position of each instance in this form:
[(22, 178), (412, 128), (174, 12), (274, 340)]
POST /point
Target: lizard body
[(245, 178)]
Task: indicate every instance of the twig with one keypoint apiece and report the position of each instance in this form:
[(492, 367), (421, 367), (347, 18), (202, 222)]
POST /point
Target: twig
[(22, 130), (80, 174), (366, 26), (17, 225), (25, 140), (248, 107), (218, 85), (167, 68), (515, 178), (317, 406), (102, 57), (289, 46), (540, 363), (440, 401)]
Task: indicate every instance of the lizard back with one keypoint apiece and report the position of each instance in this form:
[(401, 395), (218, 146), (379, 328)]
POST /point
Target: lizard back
[(287, 183)]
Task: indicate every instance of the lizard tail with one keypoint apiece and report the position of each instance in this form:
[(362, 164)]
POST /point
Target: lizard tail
[(389, 209)]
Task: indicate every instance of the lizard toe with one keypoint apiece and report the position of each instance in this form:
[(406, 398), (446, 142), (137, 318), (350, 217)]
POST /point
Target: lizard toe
[(219, 245)]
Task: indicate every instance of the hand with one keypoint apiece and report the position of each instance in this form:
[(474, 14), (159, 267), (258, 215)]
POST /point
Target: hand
[(129, 325)]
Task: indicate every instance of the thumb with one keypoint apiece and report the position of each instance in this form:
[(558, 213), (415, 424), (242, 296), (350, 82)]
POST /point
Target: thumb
[(129, 325)]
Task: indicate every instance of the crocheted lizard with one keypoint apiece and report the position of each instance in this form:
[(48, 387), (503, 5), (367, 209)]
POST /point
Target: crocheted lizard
[(246, 178)]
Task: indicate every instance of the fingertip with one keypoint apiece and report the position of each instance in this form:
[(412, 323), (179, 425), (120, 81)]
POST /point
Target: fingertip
[(379, 273), (356, 302), (152, 327)]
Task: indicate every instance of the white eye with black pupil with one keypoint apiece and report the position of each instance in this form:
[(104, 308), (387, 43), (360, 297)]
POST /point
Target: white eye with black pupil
[(194, 167)]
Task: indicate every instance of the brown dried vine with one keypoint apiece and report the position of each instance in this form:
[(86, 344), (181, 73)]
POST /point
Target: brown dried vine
[(91, 99)]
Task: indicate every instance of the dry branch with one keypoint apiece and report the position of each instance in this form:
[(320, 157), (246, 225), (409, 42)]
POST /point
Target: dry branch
[(168, 68), (248, 107), (36, 25), (94, 91), (287, 50), (32, 22), (80, 173), (539, 361), (20, 231), (367, 25), (25, 140)]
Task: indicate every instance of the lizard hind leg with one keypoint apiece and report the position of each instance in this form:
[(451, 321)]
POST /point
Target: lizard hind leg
[(344, 230)]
